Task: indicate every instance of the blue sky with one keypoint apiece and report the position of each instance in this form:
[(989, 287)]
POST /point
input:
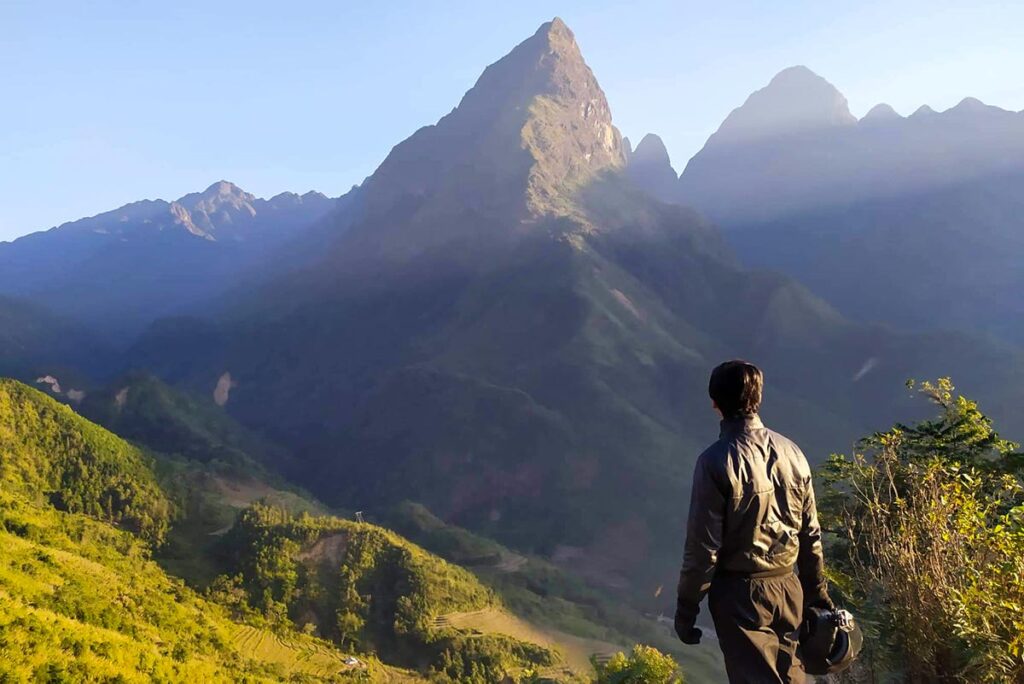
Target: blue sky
[(109, 102)]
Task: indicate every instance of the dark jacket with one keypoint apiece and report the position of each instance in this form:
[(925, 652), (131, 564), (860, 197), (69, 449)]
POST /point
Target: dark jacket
[(752, 514)]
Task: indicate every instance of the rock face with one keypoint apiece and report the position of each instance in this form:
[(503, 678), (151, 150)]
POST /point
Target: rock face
[(122, 269), (651, 169), (533, 130), (927, 206)]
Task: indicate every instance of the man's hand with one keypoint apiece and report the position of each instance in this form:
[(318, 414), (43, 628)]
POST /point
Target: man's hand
[(690, 636), (687, 633)]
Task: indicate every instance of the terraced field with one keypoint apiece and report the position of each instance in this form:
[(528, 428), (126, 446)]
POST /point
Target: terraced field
[(575, 650), (309, 658)]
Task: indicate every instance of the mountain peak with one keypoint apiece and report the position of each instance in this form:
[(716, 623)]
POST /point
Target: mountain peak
[(651, 149), (533, 129), (556, 29), (223, 188), (651, 169), (794, 101), (970, 103), (881, 112), (798, 75)]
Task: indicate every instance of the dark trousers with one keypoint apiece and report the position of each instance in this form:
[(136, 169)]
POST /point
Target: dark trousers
[(758, 623)]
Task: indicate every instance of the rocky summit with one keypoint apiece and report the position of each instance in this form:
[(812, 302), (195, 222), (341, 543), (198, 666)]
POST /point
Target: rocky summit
[(533, 130)]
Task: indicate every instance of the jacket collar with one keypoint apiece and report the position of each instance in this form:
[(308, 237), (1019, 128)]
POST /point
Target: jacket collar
[(732, 426)]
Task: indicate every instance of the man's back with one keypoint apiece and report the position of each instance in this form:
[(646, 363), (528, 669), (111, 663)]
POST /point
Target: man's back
[(766, 485), (752, 527)]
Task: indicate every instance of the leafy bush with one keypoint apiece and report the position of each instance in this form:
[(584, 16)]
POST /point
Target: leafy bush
[(645, 665), (931, 520)]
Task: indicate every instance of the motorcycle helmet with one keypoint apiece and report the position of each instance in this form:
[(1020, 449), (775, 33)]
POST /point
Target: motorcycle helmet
[(830, 640)]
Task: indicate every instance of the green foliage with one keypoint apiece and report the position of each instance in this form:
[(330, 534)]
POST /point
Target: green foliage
[(80, 600), (369, 589), (47, 451), (930, 524), (480, 659), (645, 665), (368, 579)]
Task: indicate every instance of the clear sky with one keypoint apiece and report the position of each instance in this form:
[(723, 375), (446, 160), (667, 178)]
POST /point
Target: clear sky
[(109, 102)]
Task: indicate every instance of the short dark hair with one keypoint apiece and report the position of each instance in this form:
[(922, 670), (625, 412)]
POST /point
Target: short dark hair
[(735, 387)]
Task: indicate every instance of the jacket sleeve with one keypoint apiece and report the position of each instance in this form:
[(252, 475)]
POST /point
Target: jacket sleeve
[(810, 561), (703, 541)]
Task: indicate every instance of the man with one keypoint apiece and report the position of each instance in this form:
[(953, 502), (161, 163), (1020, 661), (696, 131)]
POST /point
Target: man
[(753, 525)]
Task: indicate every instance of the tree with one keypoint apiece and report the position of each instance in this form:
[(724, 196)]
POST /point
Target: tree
[(645, 665), (930, 532)]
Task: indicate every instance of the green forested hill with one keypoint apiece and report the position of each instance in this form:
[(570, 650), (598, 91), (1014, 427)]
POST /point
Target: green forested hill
[(368, 588), (81, 600), (50, 453)]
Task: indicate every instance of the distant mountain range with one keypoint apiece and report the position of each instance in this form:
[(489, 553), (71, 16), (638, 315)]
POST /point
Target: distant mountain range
[(116, 272), (513, 319), (915, 221)]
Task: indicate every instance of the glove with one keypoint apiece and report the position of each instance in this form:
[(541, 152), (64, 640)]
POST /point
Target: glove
[(687, 633), (690, 636)]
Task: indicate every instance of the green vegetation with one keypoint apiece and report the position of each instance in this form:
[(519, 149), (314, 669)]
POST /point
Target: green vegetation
[(930, 525), (548, 596), (81, 601), (209, 466), (645, 665), (368, 589), (48, 451)]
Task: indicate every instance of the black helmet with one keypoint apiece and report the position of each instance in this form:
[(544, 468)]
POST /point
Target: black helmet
[(829, 641)]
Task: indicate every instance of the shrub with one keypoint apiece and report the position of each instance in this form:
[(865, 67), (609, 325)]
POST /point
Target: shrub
[(929, 520), (645, 665)]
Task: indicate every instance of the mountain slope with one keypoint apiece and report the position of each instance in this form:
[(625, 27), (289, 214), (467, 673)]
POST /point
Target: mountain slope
[(81, 600), (118, 271), (48, 452), (34, 342)]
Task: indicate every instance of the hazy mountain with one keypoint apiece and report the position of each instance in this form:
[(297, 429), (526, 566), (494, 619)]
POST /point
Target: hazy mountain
[(913, 221), (35, 343), (650, 168), (118, 271), (506, 329)]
